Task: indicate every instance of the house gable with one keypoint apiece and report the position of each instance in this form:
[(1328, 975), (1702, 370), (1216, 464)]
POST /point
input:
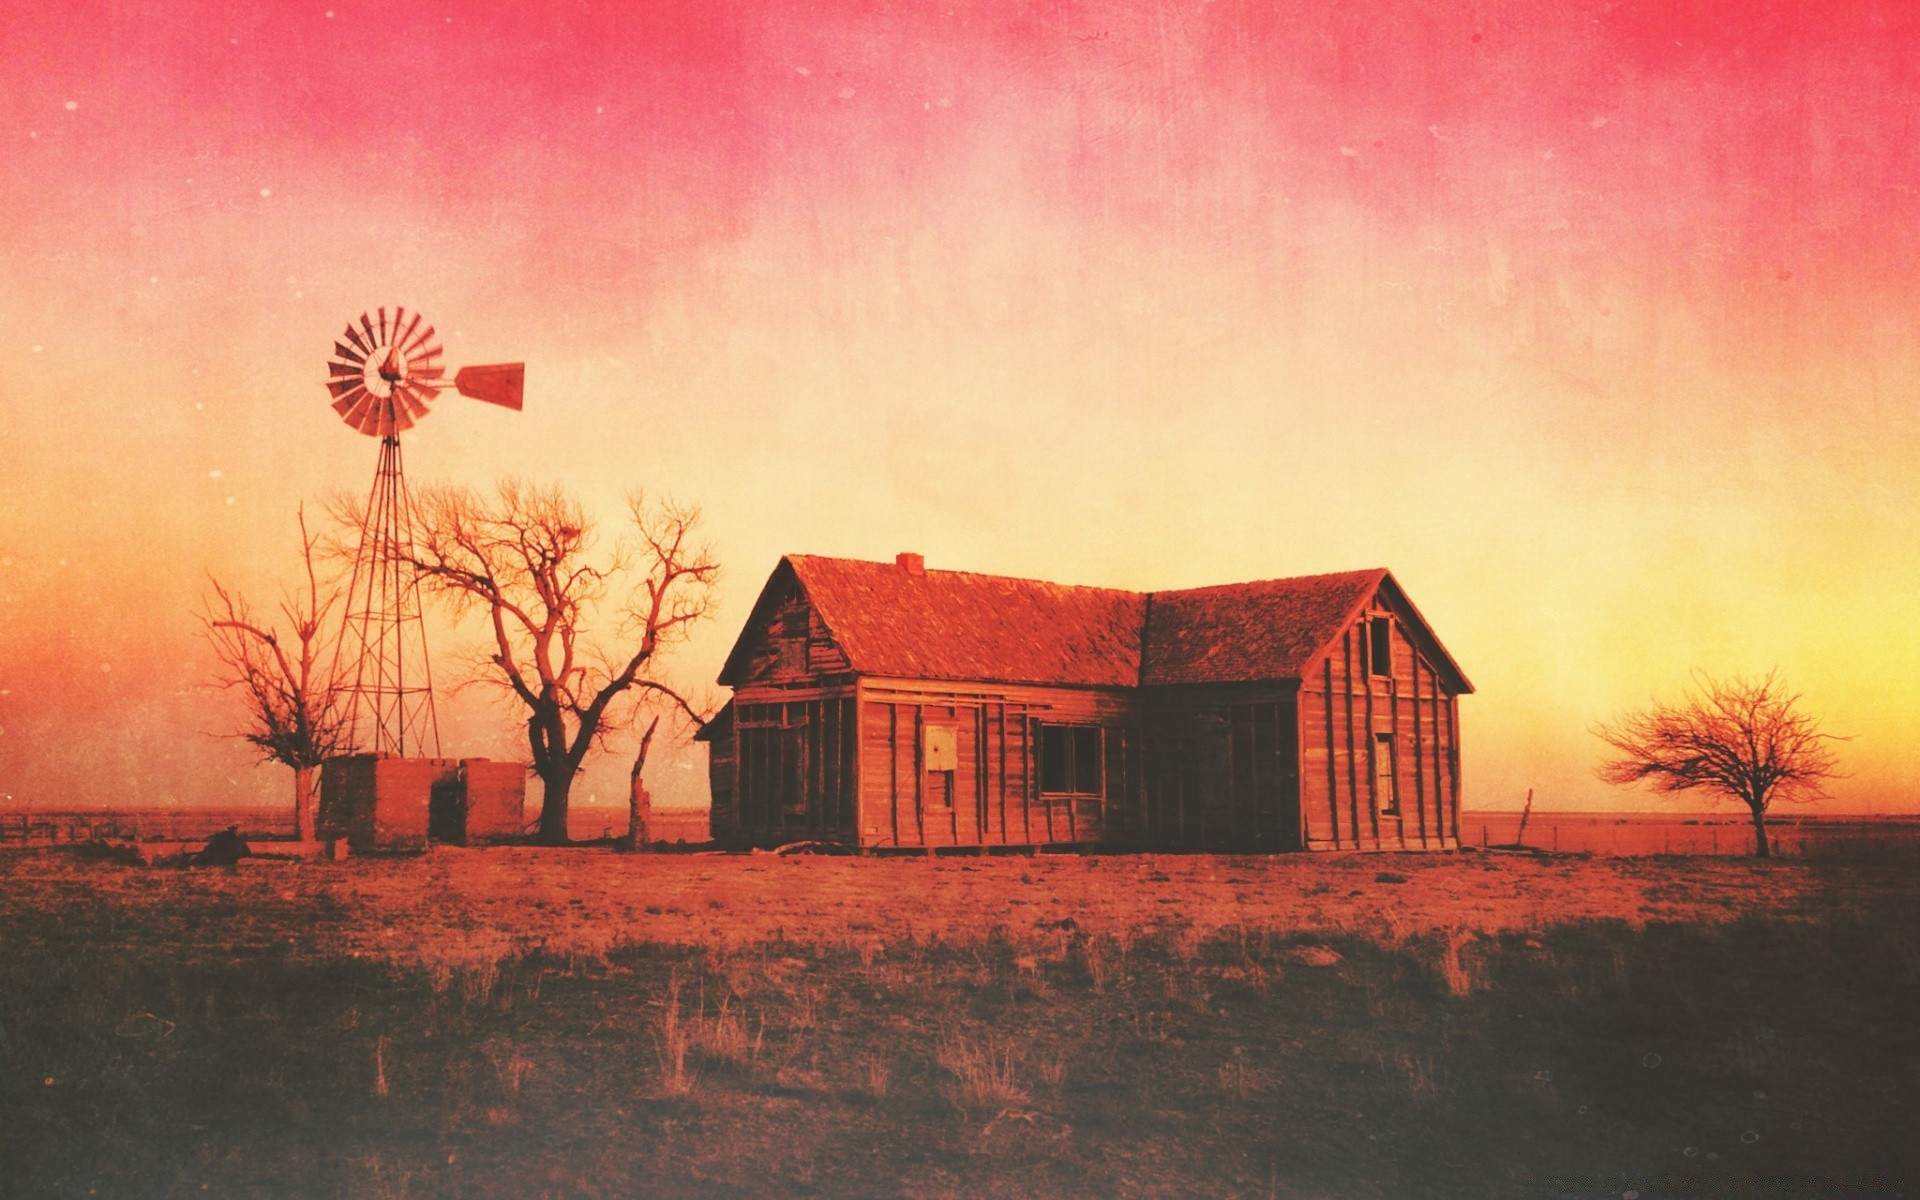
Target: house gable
[(785, 639), (1355, 635)]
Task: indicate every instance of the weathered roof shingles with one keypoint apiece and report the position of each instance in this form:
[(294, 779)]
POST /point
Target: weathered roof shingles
[(1241, 632), (959, 626)]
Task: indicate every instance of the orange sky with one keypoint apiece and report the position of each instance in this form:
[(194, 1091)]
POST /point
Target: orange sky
[(1595, 322)]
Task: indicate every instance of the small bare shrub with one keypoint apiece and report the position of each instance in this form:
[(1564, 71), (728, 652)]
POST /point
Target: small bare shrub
[(1099, 966), (587, 947), (1421, 1077), (1237, 1079), (723, 1037), (380, 1065), (509, 1066), (1455, 974), (878, 1076), (1052, 1069), (387, 1181), (671, 1044), (477, 978), (805, 1006), (983, 1075)]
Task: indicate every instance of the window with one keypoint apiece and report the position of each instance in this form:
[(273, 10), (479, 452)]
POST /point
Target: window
[(788, 766), (1379, 646), (1384, 794), (793, 622), (1070, 759)]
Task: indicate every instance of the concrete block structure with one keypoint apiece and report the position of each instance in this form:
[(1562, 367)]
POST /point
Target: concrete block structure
[(382, 803)]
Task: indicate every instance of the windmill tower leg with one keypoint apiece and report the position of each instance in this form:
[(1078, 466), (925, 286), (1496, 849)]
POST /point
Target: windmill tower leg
[(390, 701)]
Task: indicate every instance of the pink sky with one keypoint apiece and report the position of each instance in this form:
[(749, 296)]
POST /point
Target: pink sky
[(1594, 322)]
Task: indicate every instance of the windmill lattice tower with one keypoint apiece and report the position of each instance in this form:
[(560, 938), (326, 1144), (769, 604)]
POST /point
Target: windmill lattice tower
[(383, 375)]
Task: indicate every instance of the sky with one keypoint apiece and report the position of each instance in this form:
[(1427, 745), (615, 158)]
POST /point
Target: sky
[(1594, 322)]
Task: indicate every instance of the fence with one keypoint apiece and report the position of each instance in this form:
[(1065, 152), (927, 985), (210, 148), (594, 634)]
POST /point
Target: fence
[(1634, 834), (148, 824)]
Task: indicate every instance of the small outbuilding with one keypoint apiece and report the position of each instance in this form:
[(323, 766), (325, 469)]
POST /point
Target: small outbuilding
[(383, 802), (883, 705)]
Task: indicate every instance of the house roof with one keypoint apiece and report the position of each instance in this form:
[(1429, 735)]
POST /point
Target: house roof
[(1250, 631), (961, 626)]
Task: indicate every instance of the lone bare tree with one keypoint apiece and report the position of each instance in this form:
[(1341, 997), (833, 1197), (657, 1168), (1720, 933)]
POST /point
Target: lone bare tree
[(1739, 739), (524, 558), (295, 710)]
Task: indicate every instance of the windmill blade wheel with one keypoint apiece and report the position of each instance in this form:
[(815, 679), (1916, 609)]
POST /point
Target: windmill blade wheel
[(383, 372)]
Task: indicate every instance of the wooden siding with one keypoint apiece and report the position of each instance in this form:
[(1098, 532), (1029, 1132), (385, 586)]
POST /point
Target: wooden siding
[(723, 816), (1222, 769), (993, 794), (1348, 788), (793, 767)]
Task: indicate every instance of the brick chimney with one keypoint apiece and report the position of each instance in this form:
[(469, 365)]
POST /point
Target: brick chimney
[(912, 564)]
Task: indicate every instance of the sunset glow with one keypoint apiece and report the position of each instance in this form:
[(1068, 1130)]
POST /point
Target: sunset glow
[(1594, 322)]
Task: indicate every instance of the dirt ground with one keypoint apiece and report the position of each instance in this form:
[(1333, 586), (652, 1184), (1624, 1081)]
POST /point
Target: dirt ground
[(535, 1023), (524, 900)]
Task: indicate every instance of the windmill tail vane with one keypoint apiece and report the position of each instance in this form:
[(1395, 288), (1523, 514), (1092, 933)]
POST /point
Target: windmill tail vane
[(503, 384), (383, 376)]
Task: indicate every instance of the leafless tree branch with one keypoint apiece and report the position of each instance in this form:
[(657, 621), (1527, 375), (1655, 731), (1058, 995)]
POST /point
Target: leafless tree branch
[(296, 712), (526, 557)]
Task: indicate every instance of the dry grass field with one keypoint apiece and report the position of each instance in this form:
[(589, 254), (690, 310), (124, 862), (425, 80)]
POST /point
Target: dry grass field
[(522, 1023)]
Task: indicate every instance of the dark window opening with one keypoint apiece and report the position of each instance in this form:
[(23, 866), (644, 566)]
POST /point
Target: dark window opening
[(1384, 793), (1070, 759), (793, 622), (1380, 646)]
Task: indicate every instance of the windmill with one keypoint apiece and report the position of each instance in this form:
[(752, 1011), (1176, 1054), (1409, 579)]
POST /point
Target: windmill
[(383, 375)]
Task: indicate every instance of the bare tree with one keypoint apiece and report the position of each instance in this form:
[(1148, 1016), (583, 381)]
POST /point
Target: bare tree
[(1739, 739), (639, 803), (524, 559), (295, 707), (697, 712)]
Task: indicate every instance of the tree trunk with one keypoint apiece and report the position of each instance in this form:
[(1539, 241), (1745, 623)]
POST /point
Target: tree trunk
[(303, 803), (553, 806), (639, 814), (1760, 847), (639, 803)]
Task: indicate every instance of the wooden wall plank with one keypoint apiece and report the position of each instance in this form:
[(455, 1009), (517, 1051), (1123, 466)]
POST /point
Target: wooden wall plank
[(1333, 779), (1348, 648), (1453, 761), (1001, 776), (1417, 748)]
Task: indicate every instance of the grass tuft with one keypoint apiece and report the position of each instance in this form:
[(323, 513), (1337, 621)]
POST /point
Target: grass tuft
[(671, 1044), (983, 1074)]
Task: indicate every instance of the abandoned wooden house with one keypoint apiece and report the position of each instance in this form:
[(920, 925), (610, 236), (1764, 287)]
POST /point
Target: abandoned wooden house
[(883, 705)]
